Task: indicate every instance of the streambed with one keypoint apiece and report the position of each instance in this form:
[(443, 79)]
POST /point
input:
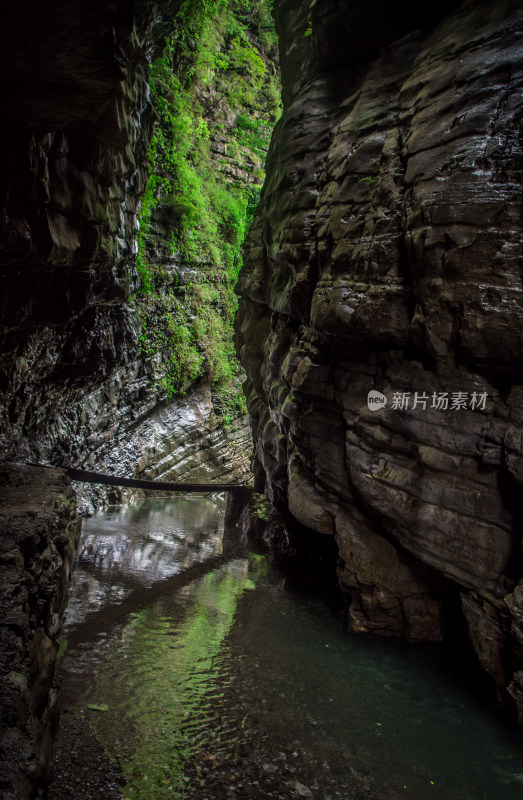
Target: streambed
[(200, 669)]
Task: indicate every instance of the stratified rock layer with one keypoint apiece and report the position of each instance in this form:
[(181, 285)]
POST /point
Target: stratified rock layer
[(386, 256), (184, 440), (75, 144), (72, 373), (39, 532), (76, 386)]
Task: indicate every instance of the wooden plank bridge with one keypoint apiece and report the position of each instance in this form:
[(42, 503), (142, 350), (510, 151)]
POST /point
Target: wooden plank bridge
[(85, 476)]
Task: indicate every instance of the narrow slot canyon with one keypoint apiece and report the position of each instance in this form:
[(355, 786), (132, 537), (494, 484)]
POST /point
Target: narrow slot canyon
[(276, 247)]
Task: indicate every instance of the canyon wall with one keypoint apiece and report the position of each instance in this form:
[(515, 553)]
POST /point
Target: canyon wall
[(74, 142), (75, 145), (76, 384), (386, 256), (39, 533), (84, 354)]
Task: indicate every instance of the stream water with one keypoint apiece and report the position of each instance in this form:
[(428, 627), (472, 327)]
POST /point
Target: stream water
[(208, 676)]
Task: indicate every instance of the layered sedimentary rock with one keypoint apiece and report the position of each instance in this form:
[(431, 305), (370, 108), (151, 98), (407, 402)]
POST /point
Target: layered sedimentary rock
[(75, 383), (386, 255), (72, 174), (39, 532), (184, 440)]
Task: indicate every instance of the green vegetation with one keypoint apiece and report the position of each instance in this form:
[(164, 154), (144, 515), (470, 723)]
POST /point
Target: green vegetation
[(259, 506), (170, 680), (216, 98)]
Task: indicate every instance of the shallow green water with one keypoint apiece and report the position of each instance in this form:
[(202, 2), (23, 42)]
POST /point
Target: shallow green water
[(201, 651)]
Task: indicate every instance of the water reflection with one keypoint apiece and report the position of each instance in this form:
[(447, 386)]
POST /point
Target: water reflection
[(140, 545), (165, 683), (202, 654)]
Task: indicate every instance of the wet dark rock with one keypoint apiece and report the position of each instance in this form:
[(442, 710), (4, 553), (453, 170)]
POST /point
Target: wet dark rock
[(182, 440), (75, 385), (32, 601), (386, 255), (75, 138)]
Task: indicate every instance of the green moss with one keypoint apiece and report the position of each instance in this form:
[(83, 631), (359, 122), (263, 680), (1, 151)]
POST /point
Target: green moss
[(259, 507), (212, 91)]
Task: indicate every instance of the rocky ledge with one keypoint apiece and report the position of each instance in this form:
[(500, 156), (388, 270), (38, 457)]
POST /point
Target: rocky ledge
[(386, 256), (39, 532)]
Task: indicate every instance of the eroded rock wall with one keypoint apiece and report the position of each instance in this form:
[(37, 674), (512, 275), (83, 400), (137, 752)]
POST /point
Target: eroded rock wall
[(75, 384), (39, 533), (74, 145), (386, 255), (183, 440)]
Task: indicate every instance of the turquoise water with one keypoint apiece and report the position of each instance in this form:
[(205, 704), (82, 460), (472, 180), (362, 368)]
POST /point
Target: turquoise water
[(202, 655)]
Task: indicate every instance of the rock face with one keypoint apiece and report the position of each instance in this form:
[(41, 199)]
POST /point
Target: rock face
[(185, 440), (75, 386), (386, 255), (73, 377), (70, 183), (39, 532)]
